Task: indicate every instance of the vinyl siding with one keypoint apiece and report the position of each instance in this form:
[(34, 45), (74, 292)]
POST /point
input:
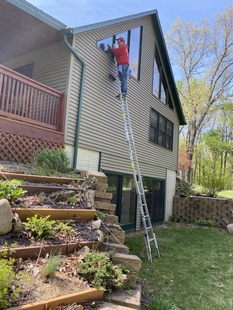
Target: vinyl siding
[(102, 127), (50, 65)]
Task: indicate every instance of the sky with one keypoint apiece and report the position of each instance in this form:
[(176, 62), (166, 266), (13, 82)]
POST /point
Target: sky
[(75, 13)]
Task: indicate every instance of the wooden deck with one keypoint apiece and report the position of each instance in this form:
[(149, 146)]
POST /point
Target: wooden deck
[(28, 101), (31, 116)]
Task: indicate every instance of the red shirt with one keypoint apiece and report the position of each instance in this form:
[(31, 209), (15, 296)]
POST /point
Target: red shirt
[(122, 54)]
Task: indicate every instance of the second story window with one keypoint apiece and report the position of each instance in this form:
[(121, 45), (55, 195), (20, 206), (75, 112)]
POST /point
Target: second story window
[(161, 130), (160, 87), (133, 38)]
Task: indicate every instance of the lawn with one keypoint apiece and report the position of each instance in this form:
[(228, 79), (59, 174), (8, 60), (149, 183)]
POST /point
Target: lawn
[(195, 271), (226, 194)]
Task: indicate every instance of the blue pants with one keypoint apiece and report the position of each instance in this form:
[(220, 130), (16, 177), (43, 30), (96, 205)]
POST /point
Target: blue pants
[(123, 78)]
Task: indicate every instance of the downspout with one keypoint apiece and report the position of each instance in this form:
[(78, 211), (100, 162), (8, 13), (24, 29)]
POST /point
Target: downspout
[(80, 101)]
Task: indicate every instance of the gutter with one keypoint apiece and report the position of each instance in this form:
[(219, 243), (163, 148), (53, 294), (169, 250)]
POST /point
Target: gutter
[(66, 32)]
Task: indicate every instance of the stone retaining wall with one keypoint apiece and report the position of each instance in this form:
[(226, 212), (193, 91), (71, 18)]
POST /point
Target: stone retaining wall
[(192, 209)]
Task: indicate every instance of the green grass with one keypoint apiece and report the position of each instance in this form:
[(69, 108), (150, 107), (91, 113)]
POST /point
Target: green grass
[(225, 194), (222, 194), (195, 271)]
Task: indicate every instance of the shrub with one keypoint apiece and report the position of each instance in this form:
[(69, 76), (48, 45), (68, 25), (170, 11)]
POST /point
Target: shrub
[(40, 227), (10, 191), (201, 222), (10, 282), (53, 159), (98, 269), (212, 183), (43, 228)]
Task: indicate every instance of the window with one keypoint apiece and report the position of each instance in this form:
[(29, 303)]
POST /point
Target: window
[(160, 88), (25, 70), (133, 39), (161, 130), (123, 189), (135, 52)]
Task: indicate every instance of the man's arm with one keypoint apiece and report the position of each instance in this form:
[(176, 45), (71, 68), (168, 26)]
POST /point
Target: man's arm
[(117, 51)]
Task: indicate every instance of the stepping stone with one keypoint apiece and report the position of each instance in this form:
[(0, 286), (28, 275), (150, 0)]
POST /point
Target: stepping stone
[(125, 298)]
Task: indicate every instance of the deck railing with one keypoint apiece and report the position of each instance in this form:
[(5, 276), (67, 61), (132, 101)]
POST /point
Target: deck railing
[(26, 100)]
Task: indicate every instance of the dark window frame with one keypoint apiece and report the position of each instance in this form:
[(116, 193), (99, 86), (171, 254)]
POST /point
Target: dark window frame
[(128, 43), (162, 82), (158, 135)]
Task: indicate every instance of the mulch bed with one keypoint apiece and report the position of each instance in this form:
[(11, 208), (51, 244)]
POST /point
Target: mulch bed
[(44, 200)]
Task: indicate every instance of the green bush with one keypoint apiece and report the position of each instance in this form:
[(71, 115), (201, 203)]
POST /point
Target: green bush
[(212, 183), (43, 228), (11, 283), (53, 159), (40, 228), (6, 278), (98, 269), (10, 191)]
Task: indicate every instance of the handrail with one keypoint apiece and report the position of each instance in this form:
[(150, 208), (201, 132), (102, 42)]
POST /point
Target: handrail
[(27, 100)]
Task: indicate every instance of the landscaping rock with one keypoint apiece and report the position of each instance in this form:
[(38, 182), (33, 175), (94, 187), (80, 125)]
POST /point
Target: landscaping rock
[(230, 228), (62, 195), (96, 224), (6, 217), (16, 223)]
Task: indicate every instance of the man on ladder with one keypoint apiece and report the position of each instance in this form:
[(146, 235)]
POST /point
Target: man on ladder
[(122, 59)]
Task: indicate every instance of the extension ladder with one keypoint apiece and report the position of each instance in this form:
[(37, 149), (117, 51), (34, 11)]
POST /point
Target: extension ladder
[(141, 198)]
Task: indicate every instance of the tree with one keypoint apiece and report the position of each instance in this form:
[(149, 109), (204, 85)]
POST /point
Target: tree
[(203, 56)]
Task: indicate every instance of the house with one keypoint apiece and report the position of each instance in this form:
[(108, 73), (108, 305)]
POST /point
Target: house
[(57, 87)]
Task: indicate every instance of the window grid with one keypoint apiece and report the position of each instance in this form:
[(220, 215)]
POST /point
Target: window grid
[(161, 130)]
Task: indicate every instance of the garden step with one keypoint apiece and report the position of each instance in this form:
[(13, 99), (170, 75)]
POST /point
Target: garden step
[(103, 195), (100, 176), (116, 247), (37, 178), (131, 262), (106, 207), (124, 298), (110, 306), (56, 214)]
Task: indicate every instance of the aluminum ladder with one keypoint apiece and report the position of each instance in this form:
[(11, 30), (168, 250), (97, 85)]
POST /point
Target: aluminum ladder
[(141, 199)]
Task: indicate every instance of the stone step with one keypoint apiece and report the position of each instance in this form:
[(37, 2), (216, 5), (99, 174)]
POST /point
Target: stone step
[(129, 261), (105, 207), (115, 247), (113, 233), (101, 186), (103, 195), (129, 299), (100, 176), (110, 306)]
